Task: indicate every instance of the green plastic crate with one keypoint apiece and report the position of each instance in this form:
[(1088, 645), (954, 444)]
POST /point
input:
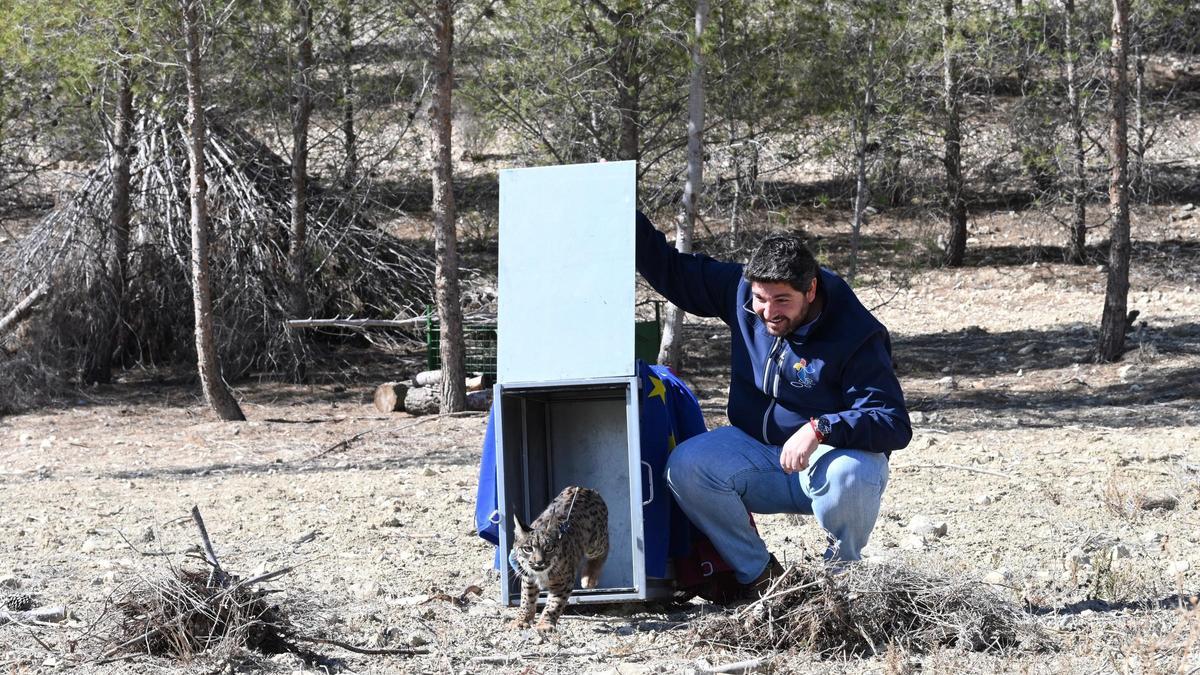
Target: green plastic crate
[(480, 343)]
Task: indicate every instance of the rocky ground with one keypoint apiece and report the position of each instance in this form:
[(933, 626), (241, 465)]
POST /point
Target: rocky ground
[(1070, 487)]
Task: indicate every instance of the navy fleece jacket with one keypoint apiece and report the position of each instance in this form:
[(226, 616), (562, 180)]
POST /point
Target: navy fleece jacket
[(840, 369)]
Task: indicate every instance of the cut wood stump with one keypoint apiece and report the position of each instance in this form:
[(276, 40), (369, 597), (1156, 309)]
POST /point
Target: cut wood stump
[(421, 401), (427, 378), (389, 397), (479, 400), (427, 400)]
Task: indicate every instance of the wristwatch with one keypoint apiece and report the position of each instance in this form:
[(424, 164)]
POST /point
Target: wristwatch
[(822, 428)]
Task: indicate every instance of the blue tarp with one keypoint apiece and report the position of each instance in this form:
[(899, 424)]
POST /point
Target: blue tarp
[(669, 414)]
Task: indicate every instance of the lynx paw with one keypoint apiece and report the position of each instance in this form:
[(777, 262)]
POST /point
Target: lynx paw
[(589, 581), (519, 623), (544, 627)]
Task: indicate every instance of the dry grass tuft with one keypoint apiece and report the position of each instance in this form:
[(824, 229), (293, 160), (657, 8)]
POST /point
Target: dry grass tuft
[(1122, 499), (869, 609), (1127, 499)]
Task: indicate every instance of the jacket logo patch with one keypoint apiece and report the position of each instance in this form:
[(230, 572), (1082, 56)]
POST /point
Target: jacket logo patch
[(806, 374)]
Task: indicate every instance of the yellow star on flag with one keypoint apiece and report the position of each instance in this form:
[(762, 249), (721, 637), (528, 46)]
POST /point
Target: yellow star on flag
[(670, 442), (657, 389)]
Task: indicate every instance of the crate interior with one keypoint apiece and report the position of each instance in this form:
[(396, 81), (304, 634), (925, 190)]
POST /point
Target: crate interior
[(557, 436)]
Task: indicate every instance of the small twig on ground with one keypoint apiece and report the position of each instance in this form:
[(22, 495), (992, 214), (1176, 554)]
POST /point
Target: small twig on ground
[(497, 660), (738, 667), (138, 551), (210, 555), (778, 594), (407, 651), (345, 443), (959, 467), (264, 577)]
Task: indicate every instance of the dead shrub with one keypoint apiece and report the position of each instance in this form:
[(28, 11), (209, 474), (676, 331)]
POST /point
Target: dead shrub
[(189, 612), (867, 609)]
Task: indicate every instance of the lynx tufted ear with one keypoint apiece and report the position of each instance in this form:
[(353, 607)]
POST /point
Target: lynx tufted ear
[(521, 530)]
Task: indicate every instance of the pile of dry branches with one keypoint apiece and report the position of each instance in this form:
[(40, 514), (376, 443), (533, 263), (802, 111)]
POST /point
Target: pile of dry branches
[(862, 609), (354, 268), (185, 614), (188, 612)]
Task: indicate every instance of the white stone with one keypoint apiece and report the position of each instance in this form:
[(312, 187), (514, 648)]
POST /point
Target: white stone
[(948, 383), (482, 610), (983, 500), (922, 525), (1027, 349), (1151, 537), (1000, 577), (411, 600), (1178, 567), (921, 443), (913, 542)]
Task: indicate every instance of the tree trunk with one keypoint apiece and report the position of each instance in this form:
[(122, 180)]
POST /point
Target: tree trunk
[(1113, 322), (956, 208), (298, 245), (891, 182), (862, 187), (1022, 46), (349, 138), (670, 351), (445, 238), (627, 73), (1076, 246), (99, 367), (215, 391), (1138, 183)]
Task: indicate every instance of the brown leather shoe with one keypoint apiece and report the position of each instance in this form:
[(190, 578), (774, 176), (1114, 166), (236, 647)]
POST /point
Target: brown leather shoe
[(758, 588)]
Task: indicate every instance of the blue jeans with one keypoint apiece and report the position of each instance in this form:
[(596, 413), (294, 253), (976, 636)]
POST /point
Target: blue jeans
[(718, 476)]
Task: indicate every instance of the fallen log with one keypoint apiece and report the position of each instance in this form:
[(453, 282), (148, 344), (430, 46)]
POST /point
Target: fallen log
[(48, 614), (427, 400), (24, 308)]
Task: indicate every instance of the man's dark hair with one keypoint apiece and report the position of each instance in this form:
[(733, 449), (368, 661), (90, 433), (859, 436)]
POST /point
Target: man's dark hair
[(783, 258)]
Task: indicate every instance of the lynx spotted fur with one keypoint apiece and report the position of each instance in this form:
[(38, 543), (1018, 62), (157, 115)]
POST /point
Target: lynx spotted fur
[(572, 530)]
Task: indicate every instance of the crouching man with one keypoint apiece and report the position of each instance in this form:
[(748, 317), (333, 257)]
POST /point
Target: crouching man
[(814, 402)]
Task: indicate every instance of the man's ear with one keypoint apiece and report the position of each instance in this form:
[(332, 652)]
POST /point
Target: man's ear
[(812, 291), (520, 530)]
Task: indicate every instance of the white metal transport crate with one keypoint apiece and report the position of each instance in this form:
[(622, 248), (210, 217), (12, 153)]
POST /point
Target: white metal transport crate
[(566, 397)]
